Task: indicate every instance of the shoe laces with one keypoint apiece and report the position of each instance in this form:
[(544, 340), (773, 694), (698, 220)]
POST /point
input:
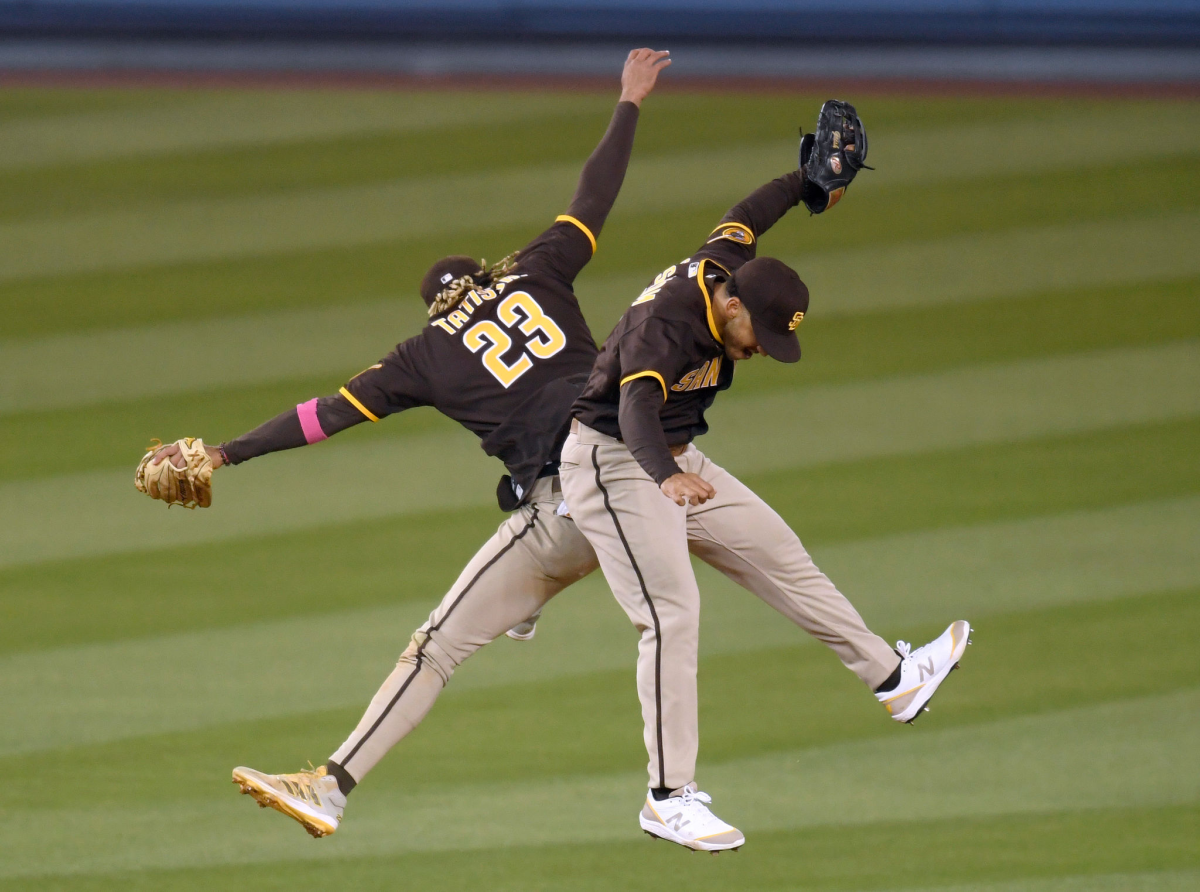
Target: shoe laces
[(310, 775), (689, 797), (904, 649)]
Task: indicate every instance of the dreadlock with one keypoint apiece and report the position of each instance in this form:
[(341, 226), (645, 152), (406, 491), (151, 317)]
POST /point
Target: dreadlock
[(454, 293)]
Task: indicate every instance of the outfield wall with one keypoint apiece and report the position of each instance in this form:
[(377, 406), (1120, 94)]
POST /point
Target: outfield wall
[(1112, 22)]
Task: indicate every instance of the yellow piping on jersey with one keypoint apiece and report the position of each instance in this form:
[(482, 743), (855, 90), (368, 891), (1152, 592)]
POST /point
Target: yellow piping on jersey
[(712, 325), (647, 374), (356, 404), (567, 218)]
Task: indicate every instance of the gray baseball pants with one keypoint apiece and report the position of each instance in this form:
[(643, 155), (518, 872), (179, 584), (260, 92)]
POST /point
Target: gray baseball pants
[(533, 556), (642, 540)]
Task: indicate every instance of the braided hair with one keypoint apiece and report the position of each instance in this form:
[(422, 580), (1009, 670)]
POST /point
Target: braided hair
[(455, 291)]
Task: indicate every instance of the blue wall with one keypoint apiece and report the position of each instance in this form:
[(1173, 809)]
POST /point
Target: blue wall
[(1150, 22)]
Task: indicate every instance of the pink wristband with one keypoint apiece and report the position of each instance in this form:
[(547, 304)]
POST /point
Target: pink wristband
[(309, 423)]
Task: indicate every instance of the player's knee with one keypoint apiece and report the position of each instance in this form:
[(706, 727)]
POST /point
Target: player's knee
[(432, 653), (682, 623), (414, 648)]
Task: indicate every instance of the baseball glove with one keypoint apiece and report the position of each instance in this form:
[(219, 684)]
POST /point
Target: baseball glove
[(833, 155), (189, 486)]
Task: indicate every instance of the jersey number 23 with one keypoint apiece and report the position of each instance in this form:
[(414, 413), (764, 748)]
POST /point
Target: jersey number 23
[(520, 311)]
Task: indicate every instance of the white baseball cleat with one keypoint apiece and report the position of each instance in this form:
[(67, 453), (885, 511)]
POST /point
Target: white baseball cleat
[(526, 630), (684, 818), (311, 797), (922, 670)]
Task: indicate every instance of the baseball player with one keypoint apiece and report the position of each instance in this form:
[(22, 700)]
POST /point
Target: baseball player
[(644, 495), (506, 353)]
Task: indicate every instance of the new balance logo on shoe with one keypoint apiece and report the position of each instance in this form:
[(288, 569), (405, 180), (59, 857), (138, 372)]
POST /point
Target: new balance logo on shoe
[(676, 822), (923, 670)]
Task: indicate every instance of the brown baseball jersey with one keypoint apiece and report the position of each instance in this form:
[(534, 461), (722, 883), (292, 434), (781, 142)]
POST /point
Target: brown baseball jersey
[(506, 362), (668, 335)]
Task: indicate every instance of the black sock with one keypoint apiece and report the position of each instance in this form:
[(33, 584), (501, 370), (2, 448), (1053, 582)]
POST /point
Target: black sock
[(660, 793), (344, 781), (892, 680)]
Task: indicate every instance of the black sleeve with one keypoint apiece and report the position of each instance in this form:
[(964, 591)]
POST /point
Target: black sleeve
[(735, 240), (392, 385), (397, 382), (641, 429), (565, 248), (330, 414), (602, 176)]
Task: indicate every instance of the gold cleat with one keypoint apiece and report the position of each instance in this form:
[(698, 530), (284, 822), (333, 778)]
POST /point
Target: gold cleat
[(311, 798)]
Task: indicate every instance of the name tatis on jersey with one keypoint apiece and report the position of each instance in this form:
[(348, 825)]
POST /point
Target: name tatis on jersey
[(474, 298), (705, 376)]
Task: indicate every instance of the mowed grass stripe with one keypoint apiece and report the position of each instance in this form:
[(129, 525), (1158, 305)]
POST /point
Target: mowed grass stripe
[(800, 697), (1005, 402), (335, 153), (100, 513), (94, 693), (1115, 844), (234, 226), (1150, 881), (70, 370), (185, 122), (1026, 765), (838, 351), (90, 600), (81, 369), (638, 246)]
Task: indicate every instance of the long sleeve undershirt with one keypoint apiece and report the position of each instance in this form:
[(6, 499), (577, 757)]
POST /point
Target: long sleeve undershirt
[(602, 175), (642, 431), (284, 431)]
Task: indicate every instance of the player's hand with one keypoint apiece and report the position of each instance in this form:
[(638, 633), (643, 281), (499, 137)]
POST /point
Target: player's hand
[(685, 489), (641, 71), (172, 452)]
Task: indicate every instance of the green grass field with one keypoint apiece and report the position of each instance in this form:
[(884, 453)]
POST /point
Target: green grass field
[(997, 417)]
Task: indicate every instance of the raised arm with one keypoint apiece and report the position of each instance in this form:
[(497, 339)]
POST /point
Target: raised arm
[(767, 204), (735, 240), (602, 176), (566, 247)]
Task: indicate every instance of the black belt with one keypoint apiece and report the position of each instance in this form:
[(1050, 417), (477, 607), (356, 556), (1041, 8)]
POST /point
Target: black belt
[(550, 469)]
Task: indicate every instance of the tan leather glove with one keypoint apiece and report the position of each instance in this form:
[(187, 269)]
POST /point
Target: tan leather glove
[(189, 484)]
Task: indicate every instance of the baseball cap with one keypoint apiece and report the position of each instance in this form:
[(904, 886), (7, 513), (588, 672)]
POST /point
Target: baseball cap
[(777, 300), (444, 272)]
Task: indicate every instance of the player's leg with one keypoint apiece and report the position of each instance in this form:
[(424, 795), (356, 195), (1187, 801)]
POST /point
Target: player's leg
[(744, 538), (533, 555), (640, 539)]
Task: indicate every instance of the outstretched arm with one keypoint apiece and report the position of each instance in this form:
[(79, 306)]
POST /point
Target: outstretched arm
[(735, 240), (566, 247), (764, 207), (392, 385), (310, 422), (602, 176)]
